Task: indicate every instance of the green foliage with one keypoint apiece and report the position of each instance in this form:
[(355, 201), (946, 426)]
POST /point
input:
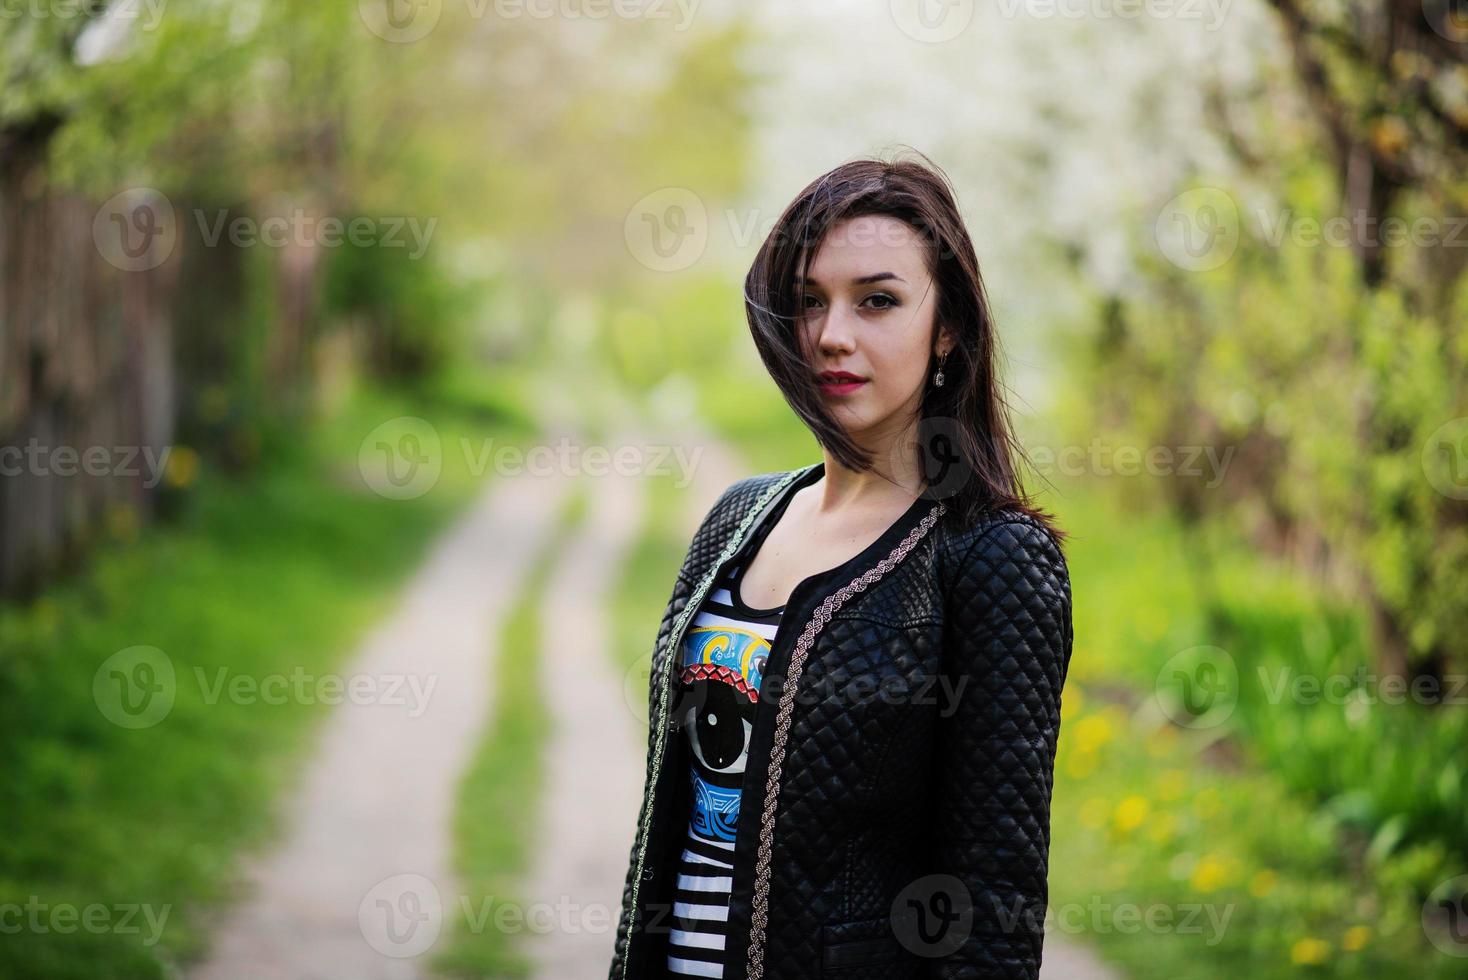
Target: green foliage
[(266, 574)]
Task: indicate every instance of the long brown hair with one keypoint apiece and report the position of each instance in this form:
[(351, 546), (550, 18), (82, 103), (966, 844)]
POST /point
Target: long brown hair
[(969, 409)]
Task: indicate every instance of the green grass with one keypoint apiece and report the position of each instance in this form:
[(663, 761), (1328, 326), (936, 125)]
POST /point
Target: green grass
[(273, 572), (499, 799), (1219, 820)]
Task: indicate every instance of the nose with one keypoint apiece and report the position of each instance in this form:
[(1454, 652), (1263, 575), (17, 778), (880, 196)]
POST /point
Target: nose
[(836, 334)]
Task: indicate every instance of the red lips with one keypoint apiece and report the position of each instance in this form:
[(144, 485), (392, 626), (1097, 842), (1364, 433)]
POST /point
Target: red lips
[(840, 382)]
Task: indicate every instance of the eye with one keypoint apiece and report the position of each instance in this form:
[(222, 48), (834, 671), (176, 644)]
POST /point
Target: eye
[(891, 300), (809, 299)]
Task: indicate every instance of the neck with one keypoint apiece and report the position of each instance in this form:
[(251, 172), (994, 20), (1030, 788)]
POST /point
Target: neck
[(895, 475)]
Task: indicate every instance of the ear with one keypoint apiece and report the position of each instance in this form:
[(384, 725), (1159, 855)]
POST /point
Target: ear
[(944, 342)]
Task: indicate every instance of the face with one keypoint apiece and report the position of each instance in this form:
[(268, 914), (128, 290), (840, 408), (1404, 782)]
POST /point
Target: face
[(869, 312)]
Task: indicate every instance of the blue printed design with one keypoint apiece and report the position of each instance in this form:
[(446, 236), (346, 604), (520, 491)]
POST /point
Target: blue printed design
[(715, 810), (738, 650)]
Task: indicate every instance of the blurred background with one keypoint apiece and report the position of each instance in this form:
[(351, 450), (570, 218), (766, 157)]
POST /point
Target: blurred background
[(365, 367)]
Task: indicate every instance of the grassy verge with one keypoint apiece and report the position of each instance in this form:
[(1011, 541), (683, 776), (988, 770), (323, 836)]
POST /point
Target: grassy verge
[(115, 839), (1263, 842), (498, 800)]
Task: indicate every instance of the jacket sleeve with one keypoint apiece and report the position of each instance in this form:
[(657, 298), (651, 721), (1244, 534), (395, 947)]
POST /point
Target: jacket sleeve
[(1008, 643), (682, 591)]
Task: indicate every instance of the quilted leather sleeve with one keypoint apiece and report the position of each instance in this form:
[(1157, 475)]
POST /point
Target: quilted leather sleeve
[(1009, 641)]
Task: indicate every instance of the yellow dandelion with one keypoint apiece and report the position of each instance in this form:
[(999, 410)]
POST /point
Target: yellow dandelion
[(1262, 883), (1130, 813), (182, 467), (1092, 732), (1071, 702), (1210, 874), (1355, 938), (1309, 952)]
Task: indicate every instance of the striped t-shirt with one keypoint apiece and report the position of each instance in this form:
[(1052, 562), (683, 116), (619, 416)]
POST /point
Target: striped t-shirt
[(723, 661)]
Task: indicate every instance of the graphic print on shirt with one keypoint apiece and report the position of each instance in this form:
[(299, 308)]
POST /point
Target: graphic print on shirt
[(720, 669)]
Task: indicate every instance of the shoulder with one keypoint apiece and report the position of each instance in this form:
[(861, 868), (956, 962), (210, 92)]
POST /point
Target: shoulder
[(742, 496), (1004, 551), (739, 502)]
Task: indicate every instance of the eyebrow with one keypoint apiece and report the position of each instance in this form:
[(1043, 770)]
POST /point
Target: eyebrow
[(859, 281)]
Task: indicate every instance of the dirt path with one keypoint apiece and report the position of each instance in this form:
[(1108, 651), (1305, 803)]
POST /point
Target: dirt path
[(360, 886)]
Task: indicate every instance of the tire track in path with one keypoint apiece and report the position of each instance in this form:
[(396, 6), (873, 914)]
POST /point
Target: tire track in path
[(360, 884)]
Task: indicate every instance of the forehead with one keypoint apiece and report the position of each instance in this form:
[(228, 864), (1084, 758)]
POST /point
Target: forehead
[(869, 243)]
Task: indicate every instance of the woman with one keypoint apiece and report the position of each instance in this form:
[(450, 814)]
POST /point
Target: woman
[(855, 692)]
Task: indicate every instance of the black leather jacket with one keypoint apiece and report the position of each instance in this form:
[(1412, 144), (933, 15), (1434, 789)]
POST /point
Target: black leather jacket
[(895, 812)]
